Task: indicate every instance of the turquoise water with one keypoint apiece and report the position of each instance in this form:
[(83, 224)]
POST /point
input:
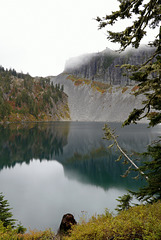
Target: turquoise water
[(49, 169)]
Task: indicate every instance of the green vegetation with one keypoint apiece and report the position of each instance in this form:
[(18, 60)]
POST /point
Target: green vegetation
[(14, 234), (19, 142), (100, 87), (78, 81), (140, 222), (124, 202), (23, 97), (124, 89), (148, 76), (7, 223), (96, 86), (101, 151), (8, 230), (5, 213)]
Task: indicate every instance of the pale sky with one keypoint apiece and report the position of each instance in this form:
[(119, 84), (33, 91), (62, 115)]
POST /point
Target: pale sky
[(38, 36)]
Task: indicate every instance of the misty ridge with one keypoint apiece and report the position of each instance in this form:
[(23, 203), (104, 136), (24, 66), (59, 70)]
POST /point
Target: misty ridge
[(78, 61), (101, 66), (97, 90), (92, 89)]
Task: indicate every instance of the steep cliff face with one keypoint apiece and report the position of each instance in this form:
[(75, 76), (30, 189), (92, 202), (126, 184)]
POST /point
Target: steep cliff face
[(97, 90), (94, 101), (102, 66)]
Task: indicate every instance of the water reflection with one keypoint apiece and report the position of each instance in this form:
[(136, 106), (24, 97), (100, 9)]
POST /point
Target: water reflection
[(22, 142), (79, 147), (40, 194), (47, 168)]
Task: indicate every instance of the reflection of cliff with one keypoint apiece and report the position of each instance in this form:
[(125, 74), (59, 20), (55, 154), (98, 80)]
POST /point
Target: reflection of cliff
[(21, 143), (101, 171), (87, 159), (78, 146), (84, 138)]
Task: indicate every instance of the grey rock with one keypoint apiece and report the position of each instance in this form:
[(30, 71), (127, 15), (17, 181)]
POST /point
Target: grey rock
[(85, 104), (116, 103), (102, 66)]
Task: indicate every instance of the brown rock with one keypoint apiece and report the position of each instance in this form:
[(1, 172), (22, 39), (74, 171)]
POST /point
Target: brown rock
[(66, 223)]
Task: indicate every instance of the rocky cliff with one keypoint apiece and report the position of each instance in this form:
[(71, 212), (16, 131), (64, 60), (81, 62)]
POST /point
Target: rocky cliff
[(97, 90), (102, 66), (95, 101)]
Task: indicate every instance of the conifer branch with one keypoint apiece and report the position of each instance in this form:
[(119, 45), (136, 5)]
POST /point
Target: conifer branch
[(109, 135)]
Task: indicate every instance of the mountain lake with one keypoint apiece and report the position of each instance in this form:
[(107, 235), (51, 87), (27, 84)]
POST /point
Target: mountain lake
[(50, 169)]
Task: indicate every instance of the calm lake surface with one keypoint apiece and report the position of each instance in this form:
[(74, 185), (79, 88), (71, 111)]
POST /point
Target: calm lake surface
[(49, 169)]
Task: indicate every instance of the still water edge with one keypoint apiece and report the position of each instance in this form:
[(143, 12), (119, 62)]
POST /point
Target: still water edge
[(47, 170)]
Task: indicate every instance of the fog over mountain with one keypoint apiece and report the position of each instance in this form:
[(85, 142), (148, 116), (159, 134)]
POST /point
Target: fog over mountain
[(101, 66), (97, 90)]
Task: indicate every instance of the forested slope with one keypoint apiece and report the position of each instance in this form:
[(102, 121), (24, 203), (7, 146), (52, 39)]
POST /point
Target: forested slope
[(24, 98)]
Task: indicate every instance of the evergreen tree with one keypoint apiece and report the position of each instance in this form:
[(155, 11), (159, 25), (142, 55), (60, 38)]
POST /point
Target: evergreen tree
[(148, 75), (152, 191), (62, 88), (5, 213), (124, 202)]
